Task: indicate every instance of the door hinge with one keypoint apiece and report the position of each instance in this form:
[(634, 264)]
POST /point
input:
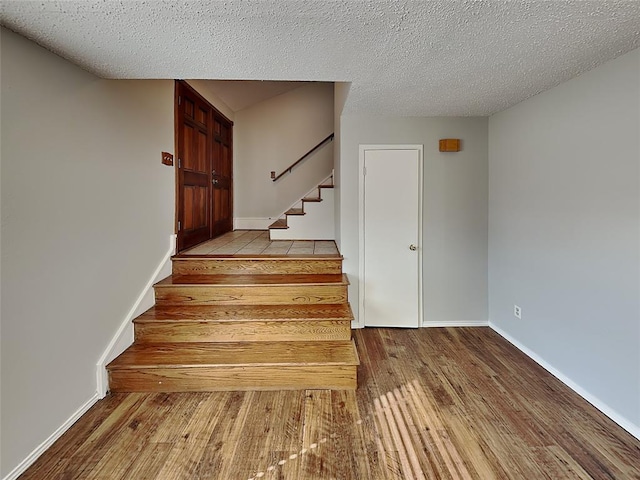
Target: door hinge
[(179, 163), (179, 100), (179, 225), (364, 170)]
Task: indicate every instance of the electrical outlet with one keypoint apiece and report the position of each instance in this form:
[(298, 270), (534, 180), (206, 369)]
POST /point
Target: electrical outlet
[(517, 312)]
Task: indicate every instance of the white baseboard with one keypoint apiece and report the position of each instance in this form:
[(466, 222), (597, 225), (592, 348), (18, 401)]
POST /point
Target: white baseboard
[(452, 323), (40, 449), (592, 399), (123, 337), (253, 223), (456, 323)]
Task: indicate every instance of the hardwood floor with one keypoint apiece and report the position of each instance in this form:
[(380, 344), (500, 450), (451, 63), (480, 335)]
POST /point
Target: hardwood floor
[(256, 242), (431, 403)]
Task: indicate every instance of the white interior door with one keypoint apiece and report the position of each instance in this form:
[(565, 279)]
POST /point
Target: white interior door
[(390, 238)]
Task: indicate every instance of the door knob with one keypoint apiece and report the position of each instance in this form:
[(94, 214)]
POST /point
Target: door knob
[(412, 247), (215, 181)]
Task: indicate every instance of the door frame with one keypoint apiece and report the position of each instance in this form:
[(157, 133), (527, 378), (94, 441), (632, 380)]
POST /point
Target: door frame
[(363, 148)]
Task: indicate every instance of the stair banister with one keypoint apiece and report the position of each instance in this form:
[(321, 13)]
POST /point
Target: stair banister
[(290, 167)]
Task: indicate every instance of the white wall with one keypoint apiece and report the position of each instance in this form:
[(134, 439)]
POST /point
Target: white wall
[(454, 210), (87, 213), (564, 231), (340, 95), (273, 134)]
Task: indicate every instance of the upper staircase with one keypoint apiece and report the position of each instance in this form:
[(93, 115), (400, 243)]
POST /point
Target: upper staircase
[(312, 218), (243, 323)]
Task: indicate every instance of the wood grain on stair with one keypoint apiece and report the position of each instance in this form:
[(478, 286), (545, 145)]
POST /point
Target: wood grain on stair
[(244, 323), (233, 378), (258, 264), (174, 355), (251, 295), (294, 211), (256, 327), (280, 223), (251, 289), (248, 313), (311, 199), (235, 366), (251, 280), (243, 331)]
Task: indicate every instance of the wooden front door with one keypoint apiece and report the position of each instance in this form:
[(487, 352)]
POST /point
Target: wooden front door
[(204, 169), (222, 177)]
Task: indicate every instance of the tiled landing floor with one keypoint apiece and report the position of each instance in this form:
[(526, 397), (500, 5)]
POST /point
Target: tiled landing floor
[(256, 242)]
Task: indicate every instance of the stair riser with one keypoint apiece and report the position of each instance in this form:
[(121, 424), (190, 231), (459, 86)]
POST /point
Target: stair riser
[(239, 331), (256, 266), (250, 295), (210, 379)]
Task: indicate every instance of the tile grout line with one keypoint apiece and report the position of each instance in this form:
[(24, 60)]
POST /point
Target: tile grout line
[(230, 244)]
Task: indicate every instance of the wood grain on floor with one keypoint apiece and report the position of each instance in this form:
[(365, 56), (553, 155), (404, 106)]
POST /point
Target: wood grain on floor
[(431, 403), (256, 242)]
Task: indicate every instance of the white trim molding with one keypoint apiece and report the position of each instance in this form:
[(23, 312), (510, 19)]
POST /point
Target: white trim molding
[(623, 422), (455, 323), (123, 337), (40, 449)]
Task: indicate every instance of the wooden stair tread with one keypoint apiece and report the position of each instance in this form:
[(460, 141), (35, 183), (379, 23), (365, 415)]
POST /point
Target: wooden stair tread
[(252, 280), (258, 265), (247, 313), (325, 186), (295, 211), (241, 257), (280, 223), (312, 199), (180, 355)]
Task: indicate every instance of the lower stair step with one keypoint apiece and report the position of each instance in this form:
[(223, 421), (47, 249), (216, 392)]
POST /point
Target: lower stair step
[(244, 323), (184, 367), (251, 289), (256, 264)]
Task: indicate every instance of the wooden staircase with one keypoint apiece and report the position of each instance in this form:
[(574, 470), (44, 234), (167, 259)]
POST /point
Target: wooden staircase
[(243, 323)]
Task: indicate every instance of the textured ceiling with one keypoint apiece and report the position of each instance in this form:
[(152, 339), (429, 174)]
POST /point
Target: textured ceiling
[(426, 58)]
